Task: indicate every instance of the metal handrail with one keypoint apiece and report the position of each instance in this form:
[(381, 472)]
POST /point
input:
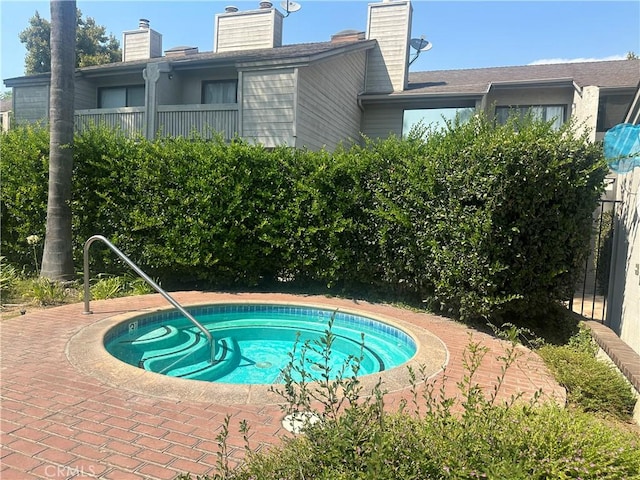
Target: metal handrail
[(146, 278)]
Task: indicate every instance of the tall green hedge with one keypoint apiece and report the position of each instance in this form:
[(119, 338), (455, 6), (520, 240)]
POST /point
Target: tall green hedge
[(476, 219)]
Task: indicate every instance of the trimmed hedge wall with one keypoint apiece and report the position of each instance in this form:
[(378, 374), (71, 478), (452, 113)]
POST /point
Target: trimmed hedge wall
[(475, 220)]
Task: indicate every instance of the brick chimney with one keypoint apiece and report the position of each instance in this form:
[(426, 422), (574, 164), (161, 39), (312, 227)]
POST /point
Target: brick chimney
[(236, 31), (141, 44)]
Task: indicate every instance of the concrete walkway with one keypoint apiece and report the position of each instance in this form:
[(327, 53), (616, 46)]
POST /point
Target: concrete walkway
[(63, 420)]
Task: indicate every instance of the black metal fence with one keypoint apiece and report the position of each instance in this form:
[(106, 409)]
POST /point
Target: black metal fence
[(590, 298)]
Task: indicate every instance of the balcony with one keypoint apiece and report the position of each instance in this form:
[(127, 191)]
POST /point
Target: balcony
[(170, 120)]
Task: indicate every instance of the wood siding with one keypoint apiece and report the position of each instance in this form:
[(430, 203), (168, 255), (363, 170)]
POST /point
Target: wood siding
[(379, 121), (86, 95), (268, 107), (328, 111), (141, 44), (248, 30), (31, 104), (389, 24)]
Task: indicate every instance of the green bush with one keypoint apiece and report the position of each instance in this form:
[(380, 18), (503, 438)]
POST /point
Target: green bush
[(8, 278), (432, 435), (591, 384), (44, 292), (24, 162), (476, 220)]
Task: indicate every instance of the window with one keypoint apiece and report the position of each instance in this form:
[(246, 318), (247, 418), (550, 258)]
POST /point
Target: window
[(435, 117), (115, 97), (612, 110), (547, 113), (220, 91)]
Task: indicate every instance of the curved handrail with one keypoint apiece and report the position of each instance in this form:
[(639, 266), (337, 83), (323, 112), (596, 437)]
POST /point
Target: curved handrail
[(146, 278)]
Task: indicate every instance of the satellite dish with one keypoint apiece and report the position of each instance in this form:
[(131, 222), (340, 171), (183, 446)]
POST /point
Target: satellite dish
[(290, 6), (419, 45)]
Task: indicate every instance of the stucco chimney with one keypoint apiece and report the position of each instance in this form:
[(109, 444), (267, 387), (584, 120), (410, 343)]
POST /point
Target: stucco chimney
[(389, 22), (236, 31), (141, 44)]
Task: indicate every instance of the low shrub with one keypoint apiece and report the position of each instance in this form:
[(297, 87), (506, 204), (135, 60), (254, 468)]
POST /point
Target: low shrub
[(9, 276), (45, 292), (432, 435), (108, 286), (592, 385)]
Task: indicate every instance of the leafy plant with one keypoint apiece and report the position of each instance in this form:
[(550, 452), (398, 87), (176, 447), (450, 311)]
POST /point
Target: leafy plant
[(310, 379), (591, 384), (464, 436), (8, 278), (108, 286), (44, 292), (476, 220)]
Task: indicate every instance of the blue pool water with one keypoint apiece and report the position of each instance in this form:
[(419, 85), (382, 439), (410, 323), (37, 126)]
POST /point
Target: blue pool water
[(254, 343)]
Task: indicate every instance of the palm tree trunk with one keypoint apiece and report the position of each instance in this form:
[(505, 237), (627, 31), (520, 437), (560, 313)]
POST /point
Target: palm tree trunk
[(57, 257)]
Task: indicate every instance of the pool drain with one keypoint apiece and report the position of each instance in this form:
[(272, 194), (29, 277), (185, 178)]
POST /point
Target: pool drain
[(264, 364)]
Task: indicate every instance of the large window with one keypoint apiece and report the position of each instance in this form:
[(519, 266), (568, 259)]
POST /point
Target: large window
[(548, 113), (611, 110), (115, 97), (220, 91), (434, 117)]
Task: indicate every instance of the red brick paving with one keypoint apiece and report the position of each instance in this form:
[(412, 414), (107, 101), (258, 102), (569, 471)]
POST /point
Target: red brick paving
[(57, 422)]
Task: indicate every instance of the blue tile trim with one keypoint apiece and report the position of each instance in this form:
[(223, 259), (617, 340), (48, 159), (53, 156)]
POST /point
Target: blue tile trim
[(347, 319)]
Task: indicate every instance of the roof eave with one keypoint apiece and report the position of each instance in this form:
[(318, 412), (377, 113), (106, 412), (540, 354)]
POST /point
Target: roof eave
[(405, 96), (544, 82)]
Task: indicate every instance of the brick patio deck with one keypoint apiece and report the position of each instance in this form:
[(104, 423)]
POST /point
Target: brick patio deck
[(58, 421)]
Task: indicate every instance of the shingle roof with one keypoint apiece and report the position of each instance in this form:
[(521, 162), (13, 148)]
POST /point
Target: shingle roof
[(288, 52), (298, 52), (605, 74)]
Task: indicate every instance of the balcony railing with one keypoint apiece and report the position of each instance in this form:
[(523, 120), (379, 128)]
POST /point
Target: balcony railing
[(204, 120), (129, 120), (171, 120)]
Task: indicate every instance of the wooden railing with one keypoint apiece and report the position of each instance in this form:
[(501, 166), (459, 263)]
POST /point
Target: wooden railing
[(172, 120), (129, 120), (204, 120)]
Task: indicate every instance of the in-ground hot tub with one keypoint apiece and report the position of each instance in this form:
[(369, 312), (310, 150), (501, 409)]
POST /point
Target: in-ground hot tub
[(254, 343)]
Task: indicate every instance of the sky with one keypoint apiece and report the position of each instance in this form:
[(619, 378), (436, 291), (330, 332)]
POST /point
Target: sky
[(463, 34)]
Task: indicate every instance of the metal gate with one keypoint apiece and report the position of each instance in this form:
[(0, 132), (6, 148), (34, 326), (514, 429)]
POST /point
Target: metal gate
[(590, 297)]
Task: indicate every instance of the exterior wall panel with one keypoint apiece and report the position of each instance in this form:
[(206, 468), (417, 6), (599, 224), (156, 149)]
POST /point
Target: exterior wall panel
[(268, 107), (328, 111), (624, 286), (380, 121), (86, 95), (31, 103), (247, 30), (390, 24), (141, 44)]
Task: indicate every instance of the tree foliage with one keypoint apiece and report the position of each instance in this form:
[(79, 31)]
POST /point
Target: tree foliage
[(93, 45)]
